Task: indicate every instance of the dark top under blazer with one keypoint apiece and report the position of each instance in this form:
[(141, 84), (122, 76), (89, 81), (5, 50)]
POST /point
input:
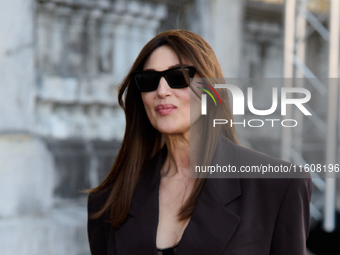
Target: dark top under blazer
[(231, 217)]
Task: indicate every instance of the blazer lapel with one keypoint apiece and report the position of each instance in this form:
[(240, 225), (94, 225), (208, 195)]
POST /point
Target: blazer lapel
[(138, 233), (213, 223)]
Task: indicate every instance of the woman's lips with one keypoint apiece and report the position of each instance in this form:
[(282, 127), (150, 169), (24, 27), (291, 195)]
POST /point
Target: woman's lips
[(165, 109)]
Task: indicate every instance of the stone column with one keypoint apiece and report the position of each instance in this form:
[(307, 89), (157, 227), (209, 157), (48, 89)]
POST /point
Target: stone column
[(227, 28), (26, 167), (93, 43), (43, 34), (148, 24), (136, 21), (16, 66), (120, 47), (135, 39), (59, 39), (106, 44), (75, 64)]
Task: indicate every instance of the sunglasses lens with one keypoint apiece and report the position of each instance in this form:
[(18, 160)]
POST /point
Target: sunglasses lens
[(176, 78), (147, 81)]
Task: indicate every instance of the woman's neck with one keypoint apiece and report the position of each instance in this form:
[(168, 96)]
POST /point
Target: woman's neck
[(177, 163)]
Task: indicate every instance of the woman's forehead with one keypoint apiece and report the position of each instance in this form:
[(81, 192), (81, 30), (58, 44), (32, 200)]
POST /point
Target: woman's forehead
[(163, 58)]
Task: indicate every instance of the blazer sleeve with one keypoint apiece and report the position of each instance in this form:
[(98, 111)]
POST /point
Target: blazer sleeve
[(95, 227), (292, 224)]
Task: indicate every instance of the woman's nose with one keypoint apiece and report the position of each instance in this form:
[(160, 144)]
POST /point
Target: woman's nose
[(163, 88)]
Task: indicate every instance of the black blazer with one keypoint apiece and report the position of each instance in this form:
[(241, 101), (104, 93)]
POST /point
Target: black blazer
[(232, 216)]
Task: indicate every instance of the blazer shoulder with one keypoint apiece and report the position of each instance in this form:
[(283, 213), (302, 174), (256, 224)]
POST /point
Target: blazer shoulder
[(272, 186), (246, 157), (251, 156)]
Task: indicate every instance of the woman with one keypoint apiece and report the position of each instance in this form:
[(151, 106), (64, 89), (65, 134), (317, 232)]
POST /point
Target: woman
[(148, 204)]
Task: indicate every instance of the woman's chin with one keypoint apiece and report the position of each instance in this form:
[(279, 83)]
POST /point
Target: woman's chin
[(169, 130)]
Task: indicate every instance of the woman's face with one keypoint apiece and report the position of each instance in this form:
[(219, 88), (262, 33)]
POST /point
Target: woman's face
[(175, 119)]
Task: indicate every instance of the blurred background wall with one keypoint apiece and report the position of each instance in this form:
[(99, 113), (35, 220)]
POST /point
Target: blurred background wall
[(61, 62)]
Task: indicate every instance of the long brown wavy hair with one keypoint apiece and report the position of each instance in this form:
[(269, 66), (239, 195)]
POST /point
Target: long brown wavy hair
[(141, 140)]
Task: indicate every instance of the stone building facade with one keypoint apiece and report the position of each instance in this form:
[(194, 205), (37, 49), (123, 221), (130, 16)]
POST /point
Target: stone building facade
[(61, 62)]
